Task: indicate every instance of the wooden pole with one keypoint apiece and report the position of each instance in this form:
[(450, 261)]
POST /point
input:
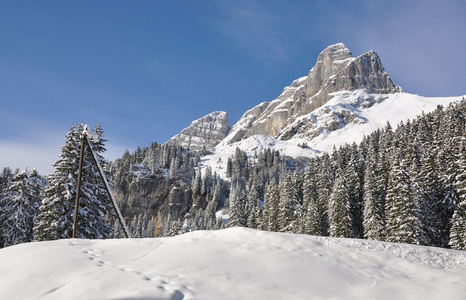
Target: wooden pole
[(109, 192), (78, 192)]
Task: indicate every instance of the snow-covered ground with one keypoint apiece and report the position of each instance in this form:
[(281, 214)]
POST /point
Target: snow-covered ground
[(235, 263), (370, 112)]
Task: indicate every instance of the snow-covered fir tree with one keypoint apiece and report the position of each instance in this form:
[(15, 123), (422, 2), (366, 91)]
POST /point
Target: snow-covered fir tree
[(271, 203), (403, 213), (289, 207), (254, 207), (237, 212), (21, 207), (339, 214), (314, 213), (458, 222), (57, 209), (374, 219)]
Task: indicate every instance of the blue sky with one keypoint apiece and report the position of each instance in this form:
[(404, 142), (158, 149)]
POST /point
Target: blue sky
[(146, 69)]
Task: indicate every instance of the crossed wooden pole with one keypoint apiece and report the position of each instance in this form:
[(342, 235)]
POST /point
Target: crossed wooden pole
[(85, 140)]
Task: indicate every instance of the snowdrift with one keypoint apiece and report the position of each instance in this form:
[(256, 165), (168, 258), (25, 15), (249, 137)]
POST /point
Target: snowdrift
[(235, 263)]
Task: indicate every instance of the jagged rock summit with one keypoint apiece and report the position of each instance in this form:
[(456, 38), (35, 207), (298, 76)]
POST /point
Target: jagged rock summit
[(335, 71), (300, 111), (207, 131)]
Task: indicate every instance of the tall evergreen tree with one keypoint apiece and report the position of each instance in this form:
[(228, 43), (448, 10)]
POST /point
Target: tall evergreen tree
[(353, 178), (197, 182), (433, 210), (289, 208), (253, 207), (374, 220), (238, 215), (56, 217), (57, 209), (271, 202), (324, 189), (21, 207), (314, 213), (458, 222), (402, 207), (340, 217)]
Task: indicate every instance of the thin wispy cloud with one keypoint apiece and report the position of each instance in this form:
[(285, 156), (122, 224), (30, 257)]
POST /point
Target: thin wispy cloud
[(156, 127), (39, 153)]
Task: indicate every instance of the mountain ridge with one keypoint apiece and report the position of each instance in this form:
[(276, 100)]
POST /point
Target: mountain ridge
[(341, 99), (207, 131), (335, 70)]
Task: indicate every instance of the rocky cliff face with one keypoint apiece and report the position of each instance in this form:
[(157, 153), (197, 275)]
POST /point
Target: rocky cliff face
[(207, 131), (335, 71), (155, 195)]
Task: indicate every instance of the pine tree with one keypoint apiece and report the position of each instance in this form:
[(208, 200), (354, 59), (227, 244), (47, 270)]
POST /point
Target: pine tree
[(253, 207), (374, 220), (210, 216), (324, 189), (353, 178), (313, 212), (206, 181), (270, 214), (447, 161), (433, 208), (57, 209), (238, 216), (197, 182), (56, 217), (21, 207), (458, 222), (175, 228), (289, 208), (340, 217), (217, 195), (5, 178), (402, 206), (95, 204)]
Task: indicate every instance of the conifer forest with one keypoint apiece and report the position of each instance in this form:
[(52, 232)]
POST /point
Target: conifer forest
[(404, 183)]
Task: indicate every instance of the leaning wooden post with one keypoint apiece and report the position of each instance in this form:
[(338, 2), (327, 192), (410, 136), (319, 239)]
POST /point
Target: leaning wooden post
[(78, 192), (109, 192)]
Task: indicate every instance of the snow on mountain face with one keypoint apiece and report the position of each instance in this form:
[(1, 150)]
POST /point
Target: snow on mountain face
[(335, 70), (345, 119), (207, 131), (341, 99)]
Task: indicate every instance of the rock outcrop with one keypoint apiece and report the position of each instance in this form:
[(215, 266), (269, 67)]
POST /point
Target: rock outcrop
[(335, 71), (207, 131)]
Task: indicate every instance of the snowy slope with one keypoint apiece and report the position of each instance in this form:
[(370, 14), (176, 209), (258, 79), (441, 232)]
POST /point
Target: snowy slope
[(236, 263), (346, 118)]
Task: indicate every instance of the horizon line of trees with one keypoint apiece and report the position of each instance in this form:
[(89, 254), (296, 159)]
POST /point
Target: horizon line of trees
[(33, 208), (404, 185)]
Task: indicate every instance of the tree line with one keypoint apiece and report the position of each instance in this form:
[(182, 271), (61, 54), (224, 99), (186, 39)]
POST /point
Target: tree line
[(406, 185), (403, 185)]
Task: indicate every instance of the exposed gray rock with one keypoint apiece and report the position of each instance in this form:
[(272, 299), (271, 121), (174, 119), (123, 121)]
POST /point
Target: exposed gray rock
[(244, 124), (335, 70), (207, 131)]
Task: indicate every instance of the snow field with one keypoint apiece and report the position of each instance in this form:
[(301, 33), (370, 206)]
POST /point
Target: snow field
[(235, 263), (369, 117)]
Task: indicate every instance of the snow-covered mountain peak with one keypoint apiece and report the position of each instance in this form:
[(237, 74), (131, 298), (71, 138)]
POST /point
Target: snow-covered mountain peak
[(335, 71), (340, 100), (330, 61)]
